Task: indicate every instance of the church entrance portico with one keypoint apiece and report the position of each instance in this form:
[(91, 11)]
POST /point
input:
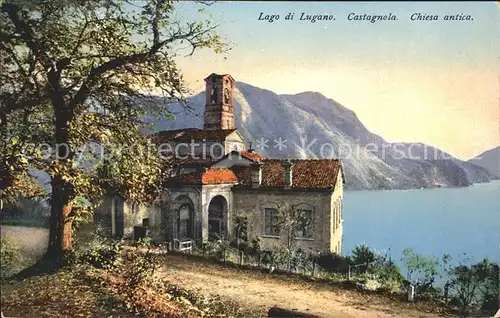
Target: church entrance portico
[(183, 217), (217, 218)]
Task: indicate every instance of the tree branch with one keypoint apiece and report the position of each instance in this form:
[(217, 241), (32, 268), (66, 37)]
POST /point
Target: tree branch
[(136, 58)]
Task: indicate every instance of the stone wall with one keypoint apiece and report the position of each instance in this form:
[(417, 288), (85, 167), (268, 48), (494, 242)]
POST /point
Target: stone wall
[(336, 224), (254, 201)]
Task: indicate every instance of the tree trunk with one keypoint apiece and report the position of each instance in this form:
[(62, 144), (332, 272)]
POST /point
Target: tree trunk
[(62, 190), (60, 224)]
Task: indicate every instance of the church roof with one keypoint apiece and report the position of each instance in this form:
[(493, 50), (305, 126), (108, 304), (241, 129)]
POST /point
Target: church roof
[(209, 176), (219, 175), (192, 134), (204, 162), (250, 155), (306, 173)]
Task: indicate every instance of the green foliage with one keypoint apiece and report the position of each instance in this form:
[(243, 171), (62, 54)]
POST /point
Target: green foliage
[(362, 255), (11, 259), (240, 222), (280, 257), (420, 267), (489, 289), (21, 185), (300, 261), (333, 262), (389, 275), (99, 252), (77, 74), (475, 284), (219, 248), (291, 221)]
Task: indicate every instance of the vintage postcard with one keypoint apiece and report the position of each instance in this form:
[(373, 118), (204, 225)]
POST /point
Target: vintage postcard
[(249, 159)]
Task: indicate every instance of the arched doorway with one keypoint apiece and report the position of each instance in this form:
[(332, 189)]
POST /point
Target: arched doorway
[(184, 218), (217, 215)]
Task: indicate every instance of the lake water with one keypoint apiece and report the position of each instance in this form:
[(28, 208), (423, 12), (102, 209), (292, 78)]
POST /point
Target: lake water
[(431, 221)]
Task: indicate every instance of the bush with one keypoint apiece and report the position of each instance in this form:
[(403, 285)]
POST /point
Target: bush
[(333, 263), (475, 286), (300, 261), (389, 275), (99, 252), (362, 255), (11, 259), (421, 269)]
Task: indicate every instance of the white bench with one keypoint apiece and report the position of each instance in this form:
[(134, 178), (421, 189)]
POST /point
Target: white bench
[(183, 245)]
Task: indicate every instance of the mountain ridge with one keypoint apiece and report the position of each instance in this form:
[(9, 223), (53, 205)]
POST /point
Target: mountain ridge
[(489, 160), (311, 123)]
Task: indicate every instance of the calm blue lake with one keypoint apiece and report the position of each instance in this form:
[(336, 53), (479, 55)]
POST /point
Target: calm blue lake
[(431, 221)]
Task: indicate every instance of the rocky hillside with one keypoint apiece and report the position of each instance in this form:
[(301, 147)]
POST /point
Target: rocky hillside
[(489, 160), (309, 125)]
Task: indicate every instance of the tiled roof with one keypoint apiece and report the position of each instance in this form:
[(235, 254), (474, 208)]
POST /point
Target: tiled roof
[(193, 178), (209, 176), (306, 174), (251, 155), (218, 176), (192, 134), (193, 161)]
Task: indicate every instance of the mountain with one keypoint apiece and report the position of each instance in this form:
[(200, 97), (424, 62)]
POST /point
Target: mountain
[(309, 125), (489, 160)]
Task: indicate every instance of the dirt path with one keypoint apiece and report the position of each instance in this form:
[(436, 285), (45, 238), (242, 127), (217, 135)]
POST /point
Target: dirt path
[(251, 288), (260, 290)]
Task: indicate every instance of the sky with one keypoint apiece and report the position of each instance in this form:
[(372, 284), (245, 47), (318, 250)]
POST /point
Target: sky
[(435, 82)]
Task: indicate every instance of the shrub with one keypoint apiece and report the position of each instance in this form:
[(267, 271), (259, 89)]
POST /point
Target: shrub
[(363, 257), (99, 252), (280, 257), (333, 263), (389, 275), (475, 286), (11, 259), (300, 261), (421, 268)]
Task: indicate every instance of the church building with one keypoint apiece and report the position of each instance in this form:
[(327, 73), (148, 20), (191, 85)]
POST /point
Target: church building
[(216, 175)]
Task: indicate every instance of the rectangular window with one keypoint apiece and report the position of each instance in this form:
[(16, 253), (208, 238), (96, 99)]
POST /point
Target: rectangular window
[(271, 222), (305, 224)]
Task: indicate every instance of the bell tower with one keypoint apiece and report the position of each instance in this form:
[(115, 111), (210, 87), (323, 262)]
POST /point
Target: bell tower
[(219, 104)]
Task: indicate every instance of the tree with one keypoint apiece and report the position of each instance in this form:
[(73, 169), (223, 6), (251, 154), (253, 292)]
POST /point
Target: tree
[(489, 289), (292, 220), (478, 282), (22, 186), (425, 267), (465, 283), (363, 256), (240, 232), (80, 72)]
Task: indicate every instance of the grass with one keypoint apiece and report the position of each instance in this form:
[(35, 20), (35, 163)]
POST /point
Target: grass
[(38, 223)]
